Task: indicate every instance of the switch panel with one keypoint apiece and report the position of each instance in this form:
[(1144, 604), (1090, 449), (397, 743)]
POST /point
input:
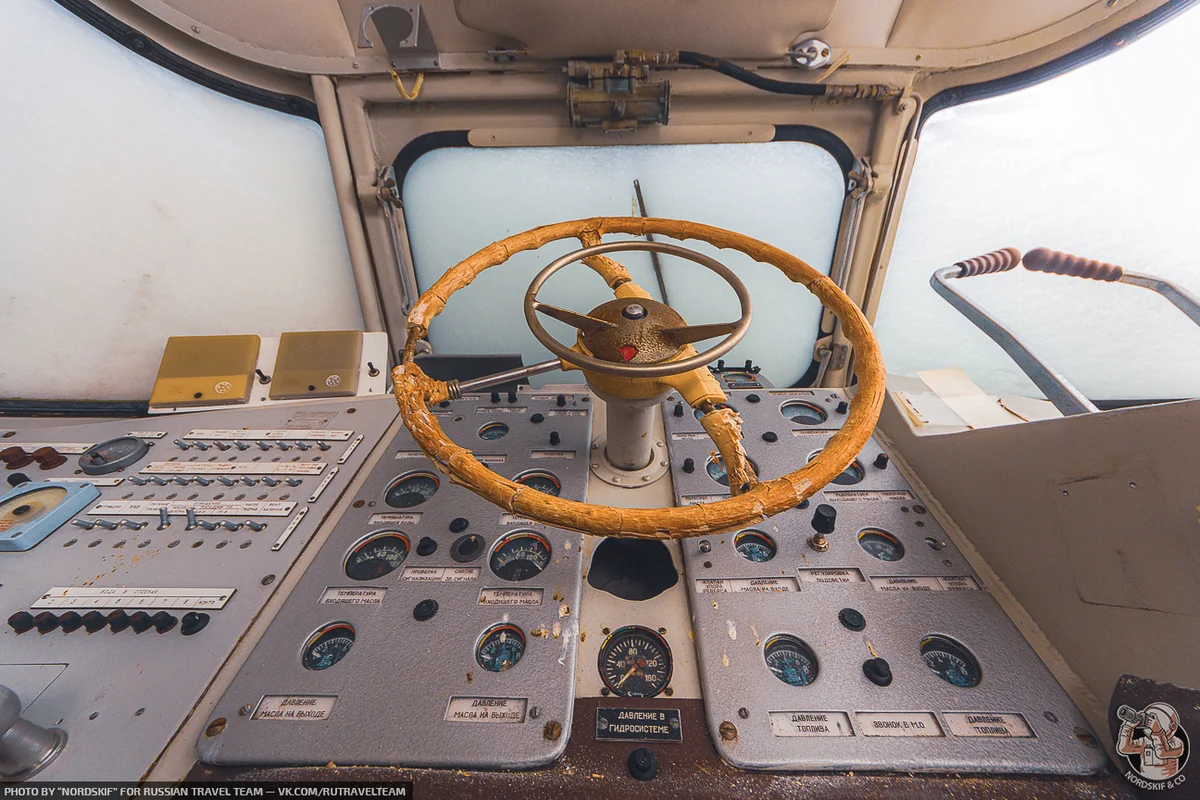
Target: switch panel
[(317, 364), (205, 371)]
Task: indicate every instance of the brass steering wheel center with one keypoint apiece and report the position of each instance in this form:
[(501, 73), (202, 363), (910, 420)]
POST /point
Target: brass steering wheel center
[(638, 332)]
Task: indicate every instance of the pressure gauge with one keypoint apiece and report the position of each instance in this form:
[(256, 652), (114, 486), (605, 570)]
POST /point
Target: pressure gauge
[(881, 544), (544, 482), (411, 490), (803, 413), (635, 662), (754, 546), (500, 648), (327, 646), (951, 661), (376, 555), (791, 660), (520, 556)]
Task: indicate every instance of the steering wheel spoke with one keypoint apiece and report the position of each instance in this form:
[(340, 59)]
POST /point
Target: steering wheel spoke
[(576, 320), (690, 334)]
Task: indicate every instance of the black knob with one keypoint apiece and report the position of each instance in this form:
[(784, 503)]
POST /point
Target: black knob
[(852, 619), (720, 363), (425, 610), (770, 436), (512, 397), (643, 766), (560, 401), (70, 622), (537, 419), (17, 478), (163, 621), (878, 671), (459, 524), (118, 621), (881, 461), (15, 457), (495, 397), (426, 547), (749, 365), (466, 548), (554, 438), (678, 410), (94, 621), (193, 622), (804, 504), (444, 404), (139, 621), (824, 518), (753, 398), (21, 621), (842, 407), (689, 466), (45, 622)]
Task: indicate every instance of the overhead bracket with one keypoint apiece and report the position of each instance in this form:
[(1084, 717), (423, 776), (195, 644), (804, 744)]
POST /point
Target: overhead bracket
[(402, 31), (618, 96)]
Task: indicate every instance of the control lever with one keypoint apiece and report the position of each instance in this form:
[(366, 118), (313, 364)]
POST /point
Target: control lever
[(25, 748), (823, 521)]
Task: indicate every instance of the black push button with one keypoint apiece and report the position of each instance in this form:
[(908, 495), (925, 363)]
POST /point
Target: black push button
[(21, 621), (643, 765), (70, 621), (878, 671), (193, 622), (426, 547), (425, 610), (459, 524), (852, 619), (45, 622), (163, 621)]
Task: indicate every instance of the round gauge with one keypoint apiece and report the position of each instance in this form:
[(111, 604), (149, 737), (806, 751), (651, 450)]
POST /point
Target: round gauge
[(739, 376), (544, 482), (716, 470), (849, 476), (520, 556), (698, 413), (881, 544), (500, 647), (29, 506), (791, 660), (635, 662), (754, 545), (328, 646), (493, 431), (951, 661), (411, 490), (115, 454), (803, 413), (376, 555)]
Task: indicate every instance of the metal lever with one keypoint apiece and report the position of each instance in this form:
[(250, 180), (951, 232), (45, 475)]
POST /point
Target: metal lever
[(458, 388), (1058, 390)]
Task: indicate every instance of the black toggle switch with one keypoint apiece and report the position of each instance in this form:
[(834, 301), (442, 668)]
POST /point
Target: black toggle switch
[(459, 524), (193, 622), (45, 622), (749, 365), (70, 622), (537, 419), (425, 610), (118, 621), (21, 622), (560, 401), (94, 621), (842, 407), (555, 439), (878, 671), (678, 410), (139, 621), (372, 370), (852, 619), (643, 765), (512, 397), (466, 548), (427, 546), (770, 437), (823, 521), (163, 621), (689, 466), (881, 461), (495, 397)]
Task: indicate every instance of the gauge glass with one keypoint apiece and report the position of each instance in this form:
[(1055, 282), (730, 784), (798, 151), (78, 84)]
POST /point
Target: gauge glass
[(544, 482), (803, 413), (716, 470), (739, 376), (698, 413), (849, 476), (951, 661), (411, 490), (500, 648), (376, 555), (881, 544), (791, 660), (328, 646), (754, 546), (635, 662), (493, 431), (115, 454), (520, 556)]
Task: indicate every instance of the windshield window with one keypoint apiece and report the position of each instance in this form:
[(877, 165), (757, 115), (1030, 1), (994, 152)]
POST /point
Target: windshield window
[(459, 200)]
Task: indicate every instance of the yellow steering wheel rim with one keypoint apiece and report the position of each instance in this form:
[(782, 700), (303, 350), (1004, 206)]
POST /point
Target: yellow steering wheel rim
[(416, 392)]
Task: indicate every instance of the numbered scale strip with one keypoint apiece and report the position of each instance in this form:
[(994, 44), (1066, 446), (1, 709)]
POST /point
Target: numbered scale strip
[(270, 435), (230, 468), (132, 597), (202, 508)]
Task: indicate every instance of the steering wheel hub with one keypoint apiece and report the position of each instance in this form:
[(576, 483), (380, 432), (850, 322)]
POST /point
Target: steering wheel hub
[(635, 332)]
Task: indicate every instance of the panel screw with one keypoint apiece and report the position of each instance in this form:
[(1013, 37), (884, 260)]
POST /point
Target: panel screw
[(551, 731), (267, 580), (244, 710), (744, 712), (215, 727), (535, 712), (728, 731)]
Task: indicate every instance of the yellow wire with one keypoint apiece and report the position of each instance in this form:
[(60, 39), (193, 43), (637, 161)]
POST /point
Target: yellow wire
[(405, 93), (834, 67)]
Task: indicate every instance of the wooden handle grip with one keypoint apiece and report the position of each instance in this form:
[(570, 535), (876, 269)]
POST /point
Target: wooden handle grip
[(1043, 259)]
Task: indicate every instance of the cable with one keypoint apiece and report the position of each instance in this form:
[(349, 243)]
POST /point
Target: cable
[(753, 78)]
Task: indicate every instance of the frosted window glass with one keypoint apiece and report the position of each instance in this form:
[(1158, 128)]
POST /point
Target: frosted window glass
[(1097, 162), (459, 200), (136, 205)]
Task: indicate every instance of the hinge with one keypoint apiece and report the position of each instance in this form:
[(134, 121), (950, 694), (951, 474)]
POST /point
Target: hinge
[(618, 96)]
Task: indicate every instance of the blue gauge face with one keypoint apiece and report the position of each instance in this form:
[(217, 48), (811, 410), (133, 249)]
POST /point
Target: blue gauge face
[(520, 556), (951, 661), (411, 490), (544, 482), (328, 646), (500, 648), (716, 470), (376, 556), (493, 431), (791, 660), (754, 546), (881, 544), (803, 413), (635, 662)]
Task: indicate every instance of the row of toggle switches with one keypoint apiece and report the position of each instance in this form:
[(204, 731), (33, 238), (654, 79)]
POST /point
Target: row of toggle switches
[(139, 621), (240, 445), (224, 480), (164, 522)]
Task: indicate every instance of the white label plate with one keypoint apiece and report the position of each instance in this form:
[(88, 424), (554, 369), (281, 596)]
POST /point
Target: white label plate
[(988, 725), (513, 519), (204, 508), (511, 597), (132, 597), (501, 410), (395, 518), (859, 497), (406, 454), (810, 723), (66, 448), (231, 468), (689, 437), (924, 583), (486, 709), (832, 575), (272, 435), (740, 585), (553, 454), (898, 723), (693, 499), (566, 412), (353, 596), (294, 707), (441, 574)]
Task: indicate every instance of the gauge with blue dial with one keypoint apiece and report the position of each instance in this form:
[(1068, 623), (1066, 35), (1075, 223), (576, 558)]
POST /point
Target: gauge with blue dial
[(951, 661), (881, 544), (791, 660), (754, 546), (328, 646), (500, 648), (803, 413)]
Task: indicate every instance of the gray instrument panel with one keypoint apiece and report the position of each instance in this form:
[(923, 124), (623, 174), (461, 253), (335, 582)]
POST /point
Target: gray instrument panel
[(121, 694), (1016, 719), (412, 688)]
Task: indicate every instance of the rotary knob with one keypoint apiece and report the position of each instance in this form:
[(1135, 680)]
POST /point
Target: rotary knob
[(25, 748)]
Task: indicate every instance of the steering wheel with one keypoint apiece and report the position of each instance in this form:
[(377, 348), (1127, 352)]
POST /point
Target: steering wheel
[(662, 359)]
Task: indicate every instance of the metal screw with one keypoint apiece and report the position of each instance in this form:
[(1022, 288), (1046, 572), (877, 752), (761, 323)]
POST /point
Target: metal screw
[(244, 710), (552, 731), (535, 712), (744, 712), (215, 727), (728, 731)]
